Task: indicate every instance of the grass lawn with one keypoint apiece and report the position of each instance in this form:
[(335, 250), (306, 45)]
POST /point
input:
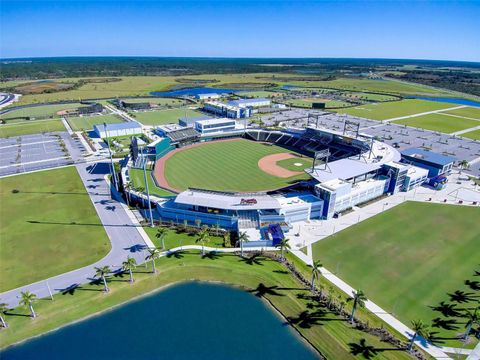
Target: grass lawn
[(408, 258), (175, 239), (225, 166), (159, 101), (292, 164), (137, 178), (469, 112), (86, 122), (439, 122), (331, 335), (475, 135), (46, 110), (37, 236), (163, 116), (388, 110), (307, 102), (31, 127)]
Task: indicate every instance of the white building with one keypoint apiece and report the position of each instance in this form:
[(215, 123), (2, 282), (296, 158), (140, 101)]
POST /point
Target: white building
[(227, 110), (121, 129), (215, 125), (256, 102), (415, 177), (208, 96)]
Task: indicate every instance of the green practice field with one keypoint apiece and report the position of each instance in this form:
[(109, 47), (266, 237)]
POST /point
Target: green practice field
[(388, 110), (159, 101), (138, 180), (409, 258), (225, 166), (35, 111), (37, 237), (439, 122), (468, 112), (292, 164), (162, 117), (87, 122), (31, 127), (475, 135)]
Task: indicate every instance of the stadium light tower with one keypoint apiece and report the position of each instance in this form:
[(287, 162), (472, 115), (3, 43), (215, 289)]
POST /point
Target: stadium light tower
[(114, 175), (146, 186)]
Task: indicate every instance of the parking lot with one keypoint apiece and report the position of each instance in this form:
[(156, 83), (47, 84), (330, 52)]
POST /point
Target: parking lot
[(401, 136), (32, 152)]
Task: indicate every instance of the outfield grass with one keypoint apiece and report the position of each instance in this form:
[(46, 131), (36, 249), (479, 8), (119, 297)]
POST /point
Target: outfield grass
[(388, 110), (408, 258), (138, 179), (439, 122), (307, 102), (48, 228), (86, 122), (332, 335), (31, 127), (226, 166), (35, 111), (289, 164), (162, 117), (475, 135)]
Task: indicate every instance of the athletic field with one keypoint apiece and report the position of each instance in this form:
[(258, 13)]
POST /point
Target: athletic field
[(49, 227), (408, 258), (35, 111), (162, 117), (388, 110), (31, 127), (225, 166), (87, 122), (475, 135), (439, 122)]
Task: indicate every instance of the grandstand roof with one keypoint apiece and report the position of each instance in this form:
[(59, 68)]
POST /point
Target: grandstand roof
[(343, 169), (227, 201), (428, 156)]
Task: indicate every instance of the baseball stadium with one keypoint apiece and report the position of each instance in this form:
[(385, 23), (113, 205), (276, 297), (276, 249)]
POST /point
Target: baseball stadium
[(261, 181)]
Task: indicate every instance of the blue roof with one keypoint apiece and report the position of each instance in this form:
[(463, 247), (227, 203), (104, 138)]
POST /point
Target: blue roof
[(429, 156), (247, 101), (119, 126), (192, 119)]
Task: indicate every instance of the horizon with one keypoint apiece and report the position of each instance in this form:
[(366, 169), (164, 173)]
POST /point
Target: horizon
[(406, 30)]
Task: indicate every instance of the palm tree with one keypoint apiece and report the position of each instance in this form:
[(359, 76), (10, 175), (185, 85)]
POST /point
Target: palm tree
[(129, 265), (316, 272), (420, 329), (185, 224), (3, 310), (141, 189), (27, 300), (359, 299), (127, 187), (464, 164), (226, 239), (102, 272), (198, 222), (161, 233), (217, 228), (242, 237), (154, 254), (203, 237), (473, 318), (283, 244)]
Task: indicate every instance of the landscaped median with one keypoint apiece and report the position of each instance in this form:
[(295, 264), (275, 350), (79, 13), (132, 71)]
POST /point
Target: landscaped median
[(324, 328)]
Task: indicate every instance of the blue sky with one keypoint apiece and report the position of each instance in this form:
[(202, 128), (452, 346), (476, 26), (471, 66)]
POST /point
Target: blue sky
[(447, 30)]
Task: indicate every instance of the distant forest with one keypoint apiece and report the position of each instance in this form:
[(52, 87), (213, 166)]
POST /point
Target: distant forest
[(454, 75)]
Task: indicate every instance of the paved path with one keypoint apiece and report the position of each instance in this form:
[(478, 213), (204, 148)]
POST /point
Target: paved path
[(466, 130), (475, 354), (424, 113)]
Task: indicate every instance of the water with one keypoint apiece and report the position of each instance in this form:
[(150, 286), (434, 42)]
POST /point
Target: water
[(187, 321), (458, 101), (195, 91)]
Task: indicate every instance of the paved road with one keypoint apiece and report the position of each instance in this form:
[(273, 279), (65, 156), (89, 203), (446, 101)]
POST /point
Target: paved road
[(124, 236)]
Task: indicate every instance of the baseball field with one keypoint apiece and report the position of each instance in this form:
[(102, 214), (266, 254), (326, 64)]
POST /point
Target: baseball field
[(232, 165)]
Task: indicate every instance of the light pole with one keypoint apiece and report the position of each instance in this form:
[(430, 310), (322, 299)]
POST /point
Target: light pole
[(146, 186), (114, 176)]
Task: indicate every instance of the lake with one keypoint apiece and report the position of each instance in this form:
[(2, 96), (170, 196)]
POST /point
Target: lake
[(458, 101), (186, 321), (194, 91)]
